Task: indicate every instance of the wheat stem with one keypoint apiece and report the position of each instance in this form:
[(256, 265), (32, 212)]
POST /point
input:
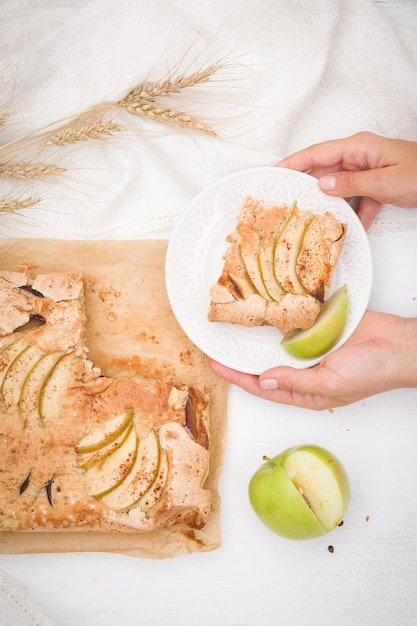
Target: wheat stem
[(138, 101), (16, 144)]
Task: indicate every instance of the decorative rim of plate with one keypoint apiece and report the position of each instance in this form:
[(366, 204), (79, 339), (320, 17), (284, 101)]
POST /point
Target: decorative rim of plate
[(194, 262)]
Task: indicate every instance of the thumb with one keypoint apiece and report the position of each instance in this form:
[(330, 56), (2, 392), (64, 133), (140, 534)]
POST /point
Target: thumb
[(349, 183), (290, 379)]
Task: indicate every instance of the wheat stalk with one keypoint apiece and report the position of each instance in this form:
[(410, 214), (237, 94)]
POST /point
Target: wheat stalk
[(3, 118), (89, 124), (12, 205), (136, 101), (152, 90), (26, 169), (83, 132), (167, 116)]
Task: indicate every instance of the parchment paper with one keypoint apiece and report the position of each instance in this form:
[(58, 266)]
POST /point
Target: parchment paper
[(131, 332)]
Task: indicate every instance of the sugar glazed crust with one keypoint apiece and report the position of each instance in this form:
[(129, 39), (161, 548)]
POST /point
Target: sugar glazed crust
[(82, 451), (277, 268)]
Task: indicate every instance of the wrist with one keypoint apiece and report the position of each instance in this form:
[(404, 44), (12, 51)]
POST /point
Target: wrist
[(407, 352)]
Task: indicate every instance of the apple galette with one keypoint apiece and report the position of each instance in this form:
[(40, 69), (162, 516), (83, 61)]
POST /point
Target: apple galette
[(79, 450), (277, 268)]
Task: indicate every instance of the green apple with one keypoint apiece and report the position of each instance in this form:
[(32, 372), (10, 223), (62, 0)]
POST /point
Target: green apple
[(326, 330), (301, 493)]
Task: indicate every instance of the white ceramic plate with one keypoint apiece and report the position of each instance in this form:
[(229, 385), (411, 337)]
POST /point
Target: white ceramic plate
[(194, 262)]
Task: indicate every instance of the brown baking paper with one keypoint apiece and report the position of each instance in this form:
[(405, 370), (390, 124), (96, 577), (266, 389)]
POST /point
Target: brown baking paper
[(131, 332)]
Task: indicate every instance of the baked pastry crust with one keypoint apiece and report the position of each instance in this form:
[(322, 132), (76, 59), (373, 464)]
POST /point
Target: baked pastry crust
[(277, 268), (82, 451)]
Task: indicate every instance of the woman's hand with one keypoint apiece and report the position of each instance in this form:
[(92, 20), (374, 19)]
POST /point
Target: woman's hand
[(380, 355), (377, 169)]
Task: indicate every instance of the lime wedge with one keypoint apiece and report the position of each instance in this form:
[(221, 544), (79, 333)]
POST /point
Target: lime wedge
[(326, 330)]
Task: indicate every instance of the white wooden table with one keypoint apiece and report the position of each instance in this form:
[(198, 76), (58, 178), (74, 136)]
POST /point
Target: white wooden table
[(257, 578)]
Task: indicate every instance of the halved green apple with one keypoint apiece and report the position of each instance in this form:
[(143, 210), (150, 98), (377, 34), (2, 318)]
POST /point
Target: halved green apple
[(301, 493), (139, 479), (326, 330)]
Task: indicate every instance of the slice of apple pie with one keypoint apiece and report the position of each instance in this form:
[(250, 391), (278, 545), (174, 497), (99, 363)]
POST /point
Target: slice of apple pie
[(277, 268), (82, 451)]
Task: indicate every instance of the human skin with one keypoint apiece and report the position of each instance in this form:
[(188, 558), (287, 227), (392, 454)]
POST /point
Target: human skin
[(382, 352), (377, 169), (380, 355)]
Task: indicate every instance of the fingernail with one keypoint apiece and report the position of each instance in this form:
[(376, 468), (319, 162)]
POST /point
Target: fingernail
[(269, 383), (327, 182)]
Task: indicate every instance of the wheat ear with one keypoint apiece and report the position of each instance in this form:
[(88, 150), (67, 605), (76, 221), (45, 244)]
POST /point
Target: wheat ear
[(167, 116), (83, 132), (13, 205), (26, 169), (152, 90)]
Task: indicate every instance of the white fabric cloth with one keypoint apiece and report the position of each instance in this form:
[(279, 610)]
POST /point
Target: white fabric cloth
[(16, 608), (294, 73)]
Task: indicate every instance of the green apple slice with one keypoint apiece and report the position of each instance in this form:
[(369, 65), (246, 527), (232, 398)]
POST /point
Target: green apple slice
[(286, 252), (106, 433), (153, 495), (249, 245), (9, 355), (7, 341), (271, 224), (326, 330), (103, 451), (54, 386), (301, 493), (249, 250), (17, 373), (107, 475), (29, 397), (140, 478)]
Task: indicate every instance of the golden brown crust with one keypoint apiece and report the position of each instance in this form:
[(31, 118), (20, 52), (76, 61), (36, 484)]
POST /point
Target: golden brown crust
[(81, 451), (277, 268)]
